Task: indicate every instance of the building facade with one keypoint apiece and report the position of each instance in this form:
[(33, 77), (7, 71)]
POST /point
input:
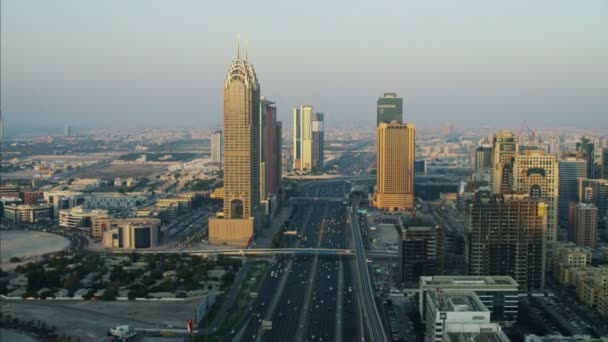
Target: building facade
[(505, 147), (417, 251), (506, 235), (27, 213), (483, 160), (587, 149), (500, 294), (537, 174), (302, 138), (395, 155), (583, 224), (270, 154), (570, 170), (241, 156), (318, 141), (390, 108), (132, 233), (596, 191), (217, 147)]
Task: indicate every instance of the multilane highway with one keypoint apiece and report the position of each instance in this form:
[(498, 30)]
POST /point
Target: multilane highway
[(309, 297)]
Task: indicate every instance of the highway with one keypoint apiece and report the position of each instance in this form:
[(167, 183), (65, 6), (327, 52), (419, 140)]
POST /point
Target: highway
[(309, 297), (366, 292)]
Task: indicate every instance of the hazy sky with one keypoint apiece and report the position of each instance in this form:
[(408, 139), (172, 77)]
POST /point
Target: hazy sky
[(142, 63)]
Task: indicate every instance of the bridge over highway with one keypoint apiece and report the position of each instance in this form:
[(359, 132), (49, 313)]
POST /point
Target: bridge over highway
[(250, 251)]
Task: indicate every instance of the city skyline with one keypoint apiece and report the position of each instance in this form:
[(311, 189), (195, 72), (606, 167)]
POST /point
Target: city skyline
[(479, 78)]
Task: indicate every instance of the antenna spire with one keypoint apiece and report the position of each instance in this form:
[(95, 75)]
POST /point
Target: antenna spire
[(246, 52), (238, 46)]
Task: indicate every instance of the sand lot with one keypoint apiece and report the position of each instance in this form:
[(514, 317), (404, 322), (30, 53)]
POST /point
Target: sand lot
[(90, 320), (27, 244), (123, 171)]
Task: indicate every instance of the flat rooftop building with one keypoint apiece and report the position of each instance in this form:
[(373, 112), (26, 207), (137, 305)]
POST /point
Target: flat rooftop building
[(500, 294), (459, 316)]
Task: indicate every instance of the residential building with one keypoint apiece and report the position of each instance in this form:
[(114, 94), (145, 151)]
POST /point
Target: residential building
[(241, 157), (605, 163), (536, 173), (395, 155), (500, 294), (132, 233), (390, 108), (217, 147), (451, 315), (596, 191), (318, 142), (565, 257), (505, 147), (505, 235), (302, 138), (583, 224), (570, 170), (592, 284)]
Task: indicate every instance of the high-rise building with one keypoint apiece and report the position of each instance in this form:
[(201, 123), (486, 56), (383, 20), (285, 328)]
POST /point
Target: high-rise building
[(587, 148), (596, 191), (395, 155), (241, 156), (318, 141), (217, 147), (537, 174), (417, 251), (483, 160), (605, 163), (506, 236), (302, 138), (583, 224), (67, 131), (570, 170), (270, 154), (504, 149), (390, 108)]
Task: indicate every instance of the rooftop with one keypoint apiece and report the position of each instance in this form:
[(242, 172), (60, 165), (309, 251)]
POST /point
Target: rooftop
[(478, 337), (466, 282), (457, 301)]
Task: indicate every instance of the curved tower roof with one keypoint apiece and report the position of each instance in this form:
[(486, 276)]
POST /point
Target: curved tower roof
[(242, 70)]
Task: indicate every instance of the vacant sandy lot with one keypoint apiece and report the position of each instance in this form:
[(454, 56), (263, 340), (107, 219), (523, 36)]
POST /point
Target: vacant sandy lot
[(90, 320), (27, 244)]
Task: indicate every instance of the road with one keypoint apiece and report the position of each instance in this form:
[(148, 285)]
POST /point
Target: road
[(307, 302), (366, 292)]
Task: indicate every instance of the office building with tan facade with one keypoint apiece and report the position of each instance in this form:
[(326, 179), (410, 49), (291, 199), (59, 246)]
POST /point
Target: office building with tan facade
[(396, 150)]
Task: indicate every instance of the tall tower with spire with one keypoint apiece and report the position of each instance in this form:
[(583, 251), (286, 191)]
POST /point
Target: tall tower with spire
[(241, 155)]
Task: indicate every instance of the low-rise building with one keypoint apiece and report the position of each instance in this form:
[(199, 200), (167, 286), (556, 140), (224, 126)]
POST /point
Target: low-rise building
[(560, 338), (500, 294), (27, 213), (80, 217), (454, 314), (132, 233), (592, 284)]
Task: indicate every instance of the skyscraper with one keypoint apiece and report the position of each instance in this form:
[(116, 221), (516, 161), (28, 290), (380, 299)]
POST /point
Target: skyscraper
[(596, 191), (587, 148), (583, 224), (67, 131), (302, 138), (318, 141), (483, 160), (395, 166), (504, 149), (537, 174), (505, 235), (217, 146), (270, 165), (241, 156), (605, 163), (390, 108), (570, 170)]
